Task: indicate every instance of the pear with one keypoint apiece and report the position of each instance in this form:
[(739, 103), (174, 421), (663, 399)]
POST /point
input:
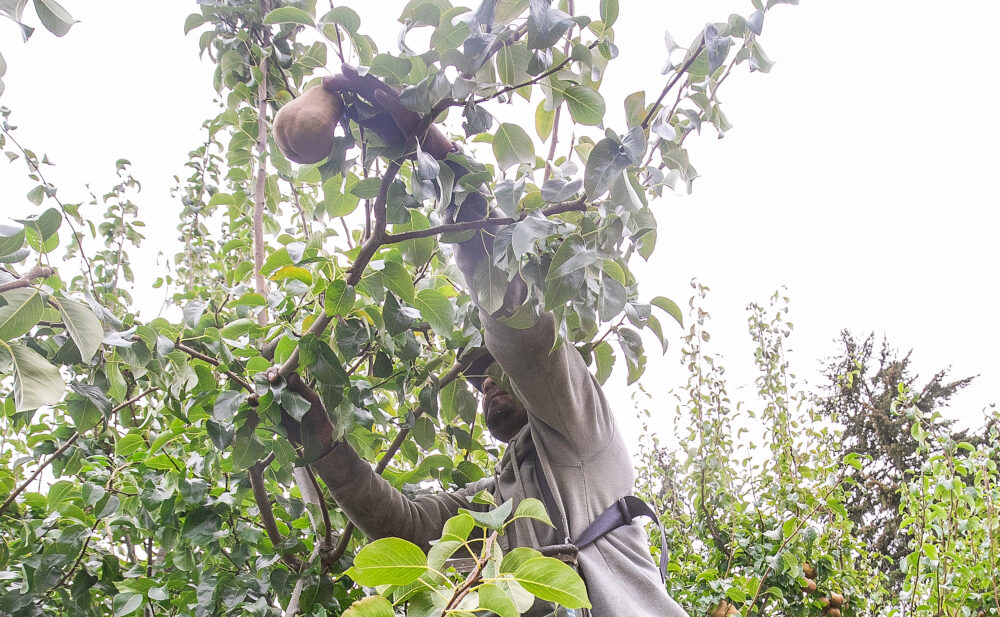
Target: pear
[(304, 127)]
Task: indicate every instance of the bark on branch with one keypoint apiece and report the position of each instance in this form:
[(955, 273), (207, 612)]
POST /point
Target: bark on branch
[(38, 272)]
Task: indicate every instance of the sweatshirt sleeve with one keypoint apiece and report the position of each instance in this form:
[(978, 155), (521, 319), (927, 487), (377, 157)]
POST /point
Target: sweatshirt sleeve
[(381, 511), (556, 387)]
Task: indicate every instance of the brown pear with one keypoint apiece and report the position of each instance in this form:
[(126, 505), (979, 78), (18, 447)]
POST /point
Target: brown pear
[(723, 609), (304, 127), (810, 586), (836, 600), (808, 570), (832, 612)]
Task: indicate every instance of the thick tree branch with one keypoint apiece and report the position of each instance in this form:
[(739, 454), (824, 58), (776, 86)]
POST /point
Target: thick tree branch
[(256, 475), (38, 272)]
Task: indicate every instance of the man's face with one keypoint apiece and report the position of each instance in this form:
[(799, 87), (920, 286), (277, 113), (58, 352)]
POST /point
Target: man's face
[(504, 414)]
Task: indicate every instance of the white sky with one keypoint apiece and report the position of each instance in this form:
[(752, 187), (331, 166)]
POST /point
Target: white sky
[(858, 174)]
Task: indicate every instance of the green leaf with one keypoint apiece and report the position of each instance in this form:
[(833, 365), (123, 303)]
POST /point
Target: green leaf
[(339, 298), (572, 255), (563, 289), (612, 298), (389, 561), (605, 356), (344, 16), (532, 508), (126, 603), (129, 445), (489, 286), (435, 307), (293, 272), (397, 279), (494, 519), (23, 310), (457, 401), (586, 105), (458, 528), (11, 239), (511, 145), (419, 250), (492, 598), (193, 21), (544, 121), (605, 161), (516, 558), (36, 382), (609, 12), (44, 225), (54, 17), (247, 449), (367, 188), (554, 581), (671, 308), (288, 15), (83, 326), (372, 606), (237, 328)]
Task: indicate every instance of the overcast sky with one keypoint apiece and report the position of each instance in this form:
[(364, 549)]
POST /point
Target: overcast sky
[(859, 175)]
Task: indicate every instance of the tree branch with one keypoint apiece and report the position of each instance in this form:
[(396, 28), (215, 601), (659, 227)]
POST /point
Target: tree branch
[(672, 82), (256, 475), (69, 442), (38, 272), (579, 205), (260, 283), (197, 354)]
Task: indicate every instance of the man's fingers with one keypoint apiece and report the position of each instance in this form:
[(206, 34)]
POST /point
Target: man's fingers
[(299, 387)]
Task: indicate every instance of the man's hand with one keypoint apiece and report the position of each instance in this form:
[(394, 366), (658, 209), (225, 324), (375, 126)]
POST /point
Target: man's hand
[(315, 431), (391, 120)]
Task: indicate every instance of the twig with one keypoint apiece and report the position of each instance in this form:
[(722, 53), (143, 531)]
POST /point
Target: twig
[(298, 206), (38, 272), (260, 283), (672, 82), (463, 590), (579, 205), (534, 80), (197, 354), (76, 234), (69, 442), (784, 543)]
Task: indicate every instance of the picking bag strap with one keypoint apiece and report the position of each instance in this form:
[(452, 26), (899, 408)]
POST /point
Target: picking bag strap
[(621, 513), (548, 499), (617, 514)]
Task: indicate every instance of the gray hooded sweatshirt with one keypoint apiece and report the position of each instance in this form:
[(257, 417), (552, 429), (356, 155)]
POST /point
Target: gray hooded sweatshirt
[(582, 455)]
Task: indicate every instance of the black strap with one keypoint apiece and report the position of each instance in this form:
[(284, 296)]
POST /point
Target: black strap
[(621, 513), (617, 514)]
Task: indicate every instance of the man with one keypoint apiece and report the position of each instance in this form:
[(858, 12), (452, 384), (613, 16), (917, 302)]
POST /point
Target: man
[(563, 445)]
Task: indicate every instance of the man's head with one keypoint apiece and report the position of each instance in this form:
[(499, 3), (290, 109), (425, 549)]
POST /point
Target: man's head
[(503, 413)]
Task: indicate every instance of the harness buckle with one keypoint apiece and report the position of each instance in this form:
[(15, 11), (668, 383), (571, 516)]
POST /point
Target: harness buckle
[(623, 509)]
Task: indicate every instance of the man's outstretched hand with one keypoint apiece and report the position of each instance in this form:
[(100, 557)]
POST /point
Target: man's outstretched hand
[(315, 431), (389, 118)]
